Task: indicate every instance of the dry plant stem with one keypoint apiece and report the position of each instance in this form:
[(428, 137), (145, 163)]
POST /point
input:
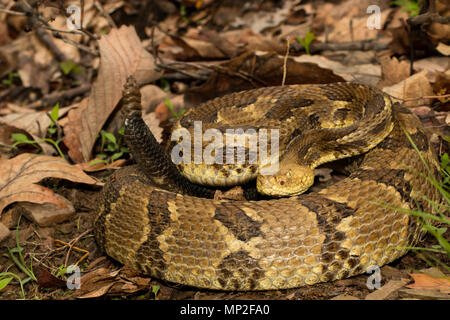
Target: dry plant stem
[(39, 25), (42, 35), (78, 45), (186, 73), (3, 145), (363, 45), (241, 74), (285, 62), (79, 31), (54, 97), (71, 245), (423, 97), (11, 12), (244, 75), (427, 18), (105, 14)]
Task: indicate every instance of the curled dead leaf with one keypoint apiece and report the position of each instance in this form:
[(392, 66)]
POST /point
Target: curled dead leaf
[(19, 175), (102, 281), (122, 55), (254, 70), (415, 86), (426, 282)]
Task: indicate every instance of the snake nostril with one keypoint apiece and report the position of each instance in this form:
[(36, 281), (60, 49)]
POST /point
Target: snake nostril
[(282, 183)]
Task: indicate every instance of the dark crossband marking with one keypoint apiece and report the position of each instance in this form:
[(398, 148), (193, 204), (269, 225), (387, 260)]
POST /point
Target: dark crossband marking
[(390, 177), (375, 105), (246, 271), (159, 219), (340, 114), (420, 140), (242, 226)]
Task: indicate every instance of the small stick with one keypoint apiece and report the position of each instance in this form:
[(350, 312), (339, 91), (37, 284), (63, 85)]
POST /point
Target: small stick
[(285, 63), (362, 45), (3, 145), (423, 97), (78, 45), (54, 97), (427, 18), (105, 14), (352, 37), (71, 245), (11, 12)]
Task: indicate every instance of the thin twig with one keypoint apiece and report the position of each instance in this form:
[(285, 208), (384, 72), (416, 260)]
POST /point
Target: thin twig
[(80, 46), (362, 45), (71, 245), (285, 62), (186, 73), (427, 18), (105, 14), (241, 74), (79, 32), (11, 12), (42, 35), (54, 97), (3, 145), (423, 97)]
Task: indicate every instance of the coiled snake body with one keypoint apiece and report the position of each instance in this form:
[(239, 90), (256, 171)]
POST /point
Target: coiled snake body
[(153, 219)]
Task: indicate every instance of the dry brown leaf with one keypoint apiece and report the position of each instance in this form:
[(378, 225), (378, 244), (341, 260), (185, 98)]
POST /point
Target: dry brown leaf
[(385, 291), (151, 96), (18, 178), (36, 64), (444, 49), (392, 70), (249, 41), (162, 112), (434, 66), (4, 34), (367, 73), (254, 70), (6, 132), (347, 21), (46, 214), (425, 282), (46, 280), (34, 123), (121, 55), (196, 49), (4, 232), (103, 281), (415, 86)]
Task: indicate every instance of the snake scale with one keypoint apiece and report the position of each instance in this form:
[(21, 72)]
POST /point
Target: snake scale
[(152, 218)]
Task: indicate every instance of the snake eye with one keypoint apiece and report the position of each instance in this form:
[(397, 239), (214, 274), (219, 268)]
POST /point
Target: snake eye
[(282, 182)]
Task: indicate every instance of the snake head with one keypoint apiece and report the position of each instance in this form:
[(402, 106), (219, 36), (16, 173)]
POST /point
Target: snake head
[(288, 181)]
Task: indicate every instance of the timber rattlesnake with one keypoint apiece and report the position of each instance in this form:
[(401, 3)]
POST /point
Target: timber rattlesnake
[(185, 237)]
